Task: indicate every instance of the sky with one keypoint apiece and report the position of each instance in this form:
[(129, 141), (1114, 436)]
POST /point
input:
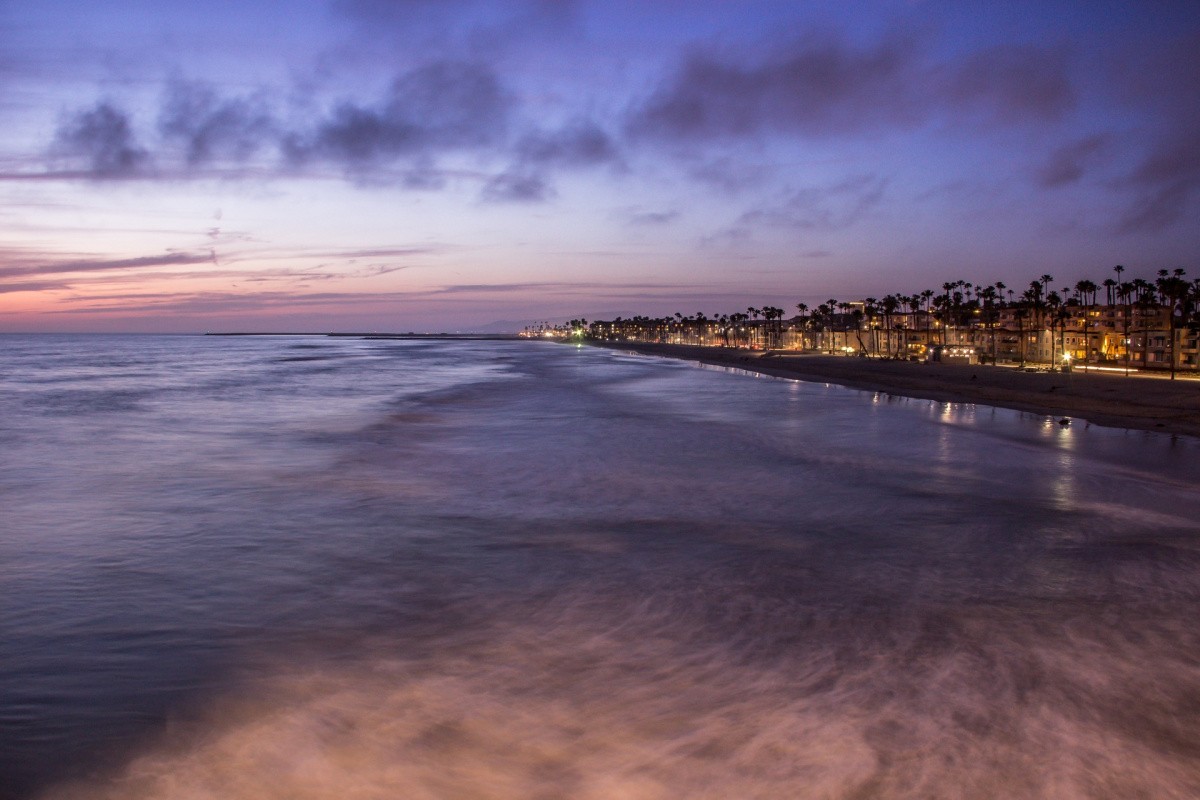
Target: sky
[(453, 165)]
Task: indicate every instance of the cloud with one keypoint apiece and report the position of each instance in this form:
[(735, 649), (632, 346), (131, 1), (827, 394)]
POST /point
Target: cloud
[(468, 25), (1165, 183), (1013, 83), (217, 302), (101, 141), (377, 252), (509, 187), (815, 88), (828, 87), (833, 207), (1068, 163), (428, 111), (265, 301), (579, 144), (211, 128), (652, 217), (66, 266), (30, 286), (587, 287), (728, 175), (436, 107), (495, 288)]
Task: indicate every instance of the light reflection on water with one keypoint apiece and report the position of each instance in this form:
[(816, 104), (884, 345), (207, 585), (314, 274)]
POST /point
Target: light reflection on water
[(342, 568)]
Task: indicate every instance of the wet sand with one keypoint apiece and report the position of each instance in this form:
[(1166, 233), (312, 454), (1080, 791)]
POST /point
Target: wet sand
[(1137, 401)]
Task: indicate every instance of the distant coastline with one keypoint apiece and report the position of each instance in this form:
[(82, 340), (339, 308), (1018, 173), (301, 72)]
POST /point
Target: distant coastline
[(1137, 402), (463, 336)]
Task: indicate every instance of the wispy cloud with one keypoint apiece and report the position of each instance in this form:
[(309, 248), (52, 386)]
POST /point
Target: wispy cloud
[(32, 265), (1011, 83), (1068, 163), (514, 187), (651, 218), (831, 207), (1165, 183)]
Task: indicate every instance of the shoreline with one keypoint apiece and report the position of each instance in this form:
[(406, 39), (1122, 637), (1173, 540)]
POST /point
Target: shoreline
[(1116, 401)]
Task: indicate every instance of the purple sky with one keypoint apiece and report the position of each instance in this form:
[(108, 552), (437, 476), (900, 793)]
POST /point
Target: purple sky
[(458, 165)]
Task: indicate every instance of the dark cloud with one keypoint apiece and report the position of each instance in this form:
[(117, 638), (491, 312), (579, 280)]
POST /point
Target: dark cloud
[(1068, 163), (581, 143), (437, 107), (101, 141), (1166, 180), (427, 112), (1013, 83), (210, 128), (828, 87), (832, 207), (815, 88), (512, 187), (94, 265)]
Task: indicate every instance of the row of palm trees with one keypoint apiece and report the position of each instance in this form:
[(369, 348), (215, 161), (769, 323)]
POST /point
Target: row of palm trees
[(936, 315)]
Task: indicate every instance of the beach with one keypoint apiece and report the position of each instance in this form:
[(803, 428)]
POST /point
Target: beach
[(1140, 402)]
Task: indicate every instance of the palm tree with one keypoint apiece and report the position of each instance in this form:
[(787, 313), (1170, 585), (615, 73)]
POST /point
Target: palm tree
[(723, 326), (945, 308), (1143, 300), (1122, 292), (888, 306), (915, 302), (1054, 304), (1174, 290), (987, 296), (870, 309), (768, 314), (826, 311), (1086, 290), (801, 311)]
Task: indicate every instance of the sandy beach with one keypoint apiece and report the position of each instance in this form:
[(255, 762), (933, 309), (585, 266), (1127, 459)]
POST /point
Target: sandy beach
[(1137, 401)]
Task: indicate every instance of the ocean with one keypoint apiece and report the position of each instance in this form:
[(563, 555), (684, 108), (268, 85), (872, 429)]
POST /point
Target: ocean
[(311, 567)]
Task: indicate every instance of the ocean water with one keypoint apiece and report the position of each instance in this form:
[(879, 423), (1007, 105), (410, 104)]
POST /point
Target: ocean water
[(344, 568)]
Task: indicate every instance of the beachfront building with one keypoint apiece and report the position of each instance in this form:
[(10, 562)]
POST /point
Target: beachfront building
[(1144, 325)]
